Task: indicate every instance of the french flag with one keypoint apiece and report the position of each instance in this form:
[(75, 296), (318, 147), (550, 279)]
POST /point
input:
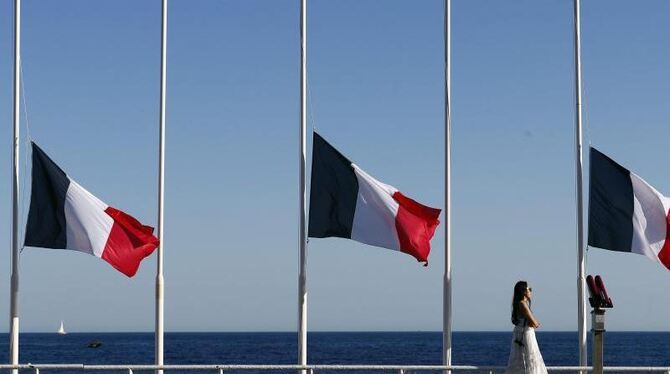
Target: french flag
[(626, 214), (63, 215), (347, 202)]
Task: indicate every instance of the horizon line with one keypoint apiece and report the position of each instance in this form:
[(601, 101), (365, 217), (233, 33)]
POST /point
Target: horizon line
[(318, 331)]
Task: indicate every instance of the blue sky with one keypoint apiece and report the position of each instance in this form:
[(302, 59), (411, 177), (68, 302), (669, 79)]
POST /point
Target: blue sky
[(375, 77)]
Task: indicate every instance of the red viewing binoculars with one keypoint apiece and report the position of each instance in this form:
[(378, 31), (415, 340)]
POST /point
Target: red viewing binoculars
[(598, 297)]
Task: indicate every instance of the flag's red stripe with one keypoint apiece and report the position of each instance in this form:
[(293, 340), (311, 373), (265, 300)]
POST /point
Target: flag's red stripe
[(415, 224), (664, 253), (129, 242)]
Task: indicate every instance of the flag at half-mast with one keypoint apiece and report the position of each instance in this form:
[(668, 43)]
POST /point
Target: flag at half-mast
[(626, 214), (63, 215), (347, 202)]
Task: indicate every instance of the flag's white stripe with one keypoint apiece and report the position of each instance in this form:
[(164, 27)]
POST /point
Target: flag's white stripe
[(374, 218), (88, 226), (649, 219)]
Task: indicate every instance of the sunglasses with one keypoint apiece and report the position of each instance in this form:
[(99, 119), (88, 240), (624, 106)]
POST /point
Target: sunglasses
[(530, 289)]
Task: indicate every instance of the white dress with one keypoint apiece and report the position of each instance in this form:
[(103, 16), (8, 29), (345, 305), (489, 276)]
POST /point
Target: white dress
[(524, 355)]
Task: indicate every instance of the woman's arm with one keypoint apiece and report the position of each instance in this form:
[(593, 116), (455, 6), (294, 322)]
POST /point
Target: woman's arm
[(525, 310)]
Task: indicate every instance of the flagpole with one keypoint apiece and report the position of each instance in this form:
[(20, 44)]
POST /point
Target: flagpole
[(14, 282), (302, 276), (581, 283), (446, 298), (160, 287)]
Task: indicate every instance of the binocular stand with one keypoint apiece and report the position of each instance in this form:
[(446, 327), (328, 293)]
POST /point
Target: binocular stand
[(598, 330)]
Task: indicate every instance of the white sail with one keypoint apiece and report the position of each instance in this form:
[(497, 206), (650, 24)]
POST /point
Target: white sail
[(61, 329)]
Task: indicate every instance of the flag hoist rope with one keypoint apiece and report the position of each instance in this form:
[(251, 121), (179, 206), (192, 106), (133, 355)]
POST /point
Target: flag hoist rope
[(14, 280), (581, 255), (159, 333), (28, 140)]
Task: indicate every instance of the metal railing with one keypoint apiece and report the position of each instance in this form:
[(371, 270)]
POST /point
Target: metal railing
[(311, 369)]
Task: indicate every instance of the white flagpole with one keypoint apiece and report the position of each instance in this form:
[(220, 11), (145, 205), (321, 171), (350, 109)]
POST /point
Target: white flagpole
[(581, 283), (161, 197), (446, 298), (302, 276), (14, 294)]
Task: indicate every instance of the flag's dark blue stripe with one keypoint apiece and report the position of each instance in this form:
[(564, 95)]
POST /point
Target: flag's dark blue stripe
[(610, 204), (46, 218), (334, 190)]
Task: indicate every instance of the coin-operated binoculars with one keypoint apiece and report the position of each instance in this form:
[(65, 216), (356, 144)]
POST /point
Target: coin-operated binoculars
[(599, 301)]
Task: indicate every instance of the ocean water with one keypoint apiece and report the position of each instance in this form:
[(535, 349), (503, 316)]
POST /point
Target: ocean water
[(402, 348)]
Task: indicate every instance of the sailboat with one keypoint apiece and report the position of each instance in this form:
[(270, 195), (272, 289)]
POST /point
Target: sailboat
[(61, 329)]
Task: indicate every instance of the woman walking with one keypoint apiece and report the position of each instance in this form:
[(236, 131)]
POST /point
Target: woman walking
[(524, 355)]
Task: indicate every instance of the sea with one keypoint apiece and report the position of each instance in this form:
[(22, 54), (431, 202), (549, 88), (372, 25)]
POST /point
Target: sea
[(389, 348)]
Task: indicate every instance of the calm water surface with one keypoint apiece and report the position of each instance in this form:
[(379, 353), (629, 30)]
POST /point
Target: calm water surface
[(402, 348)]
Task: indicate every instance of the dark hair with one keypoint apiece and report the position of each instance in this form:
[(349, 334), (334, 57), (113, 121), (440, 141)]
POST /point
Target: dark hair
[(519, 291)]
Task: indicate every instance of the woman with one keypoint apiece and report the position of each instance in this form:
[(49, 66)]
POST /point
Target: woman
[(524, 356)]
